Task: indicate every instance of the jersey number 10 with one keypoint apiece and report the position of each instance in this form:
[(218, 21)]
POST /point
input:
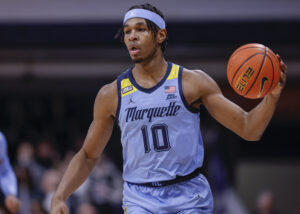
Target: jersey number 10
[(156, 129)]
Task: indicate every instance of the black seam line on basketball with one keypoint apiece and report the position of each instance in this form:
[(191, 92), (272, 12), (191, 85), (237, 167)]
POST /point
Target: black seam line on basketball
[(249, 48), (271, 52), (243, 64), (272, 75), (245, 49), (252, 47), (274, 55), (262, 63)]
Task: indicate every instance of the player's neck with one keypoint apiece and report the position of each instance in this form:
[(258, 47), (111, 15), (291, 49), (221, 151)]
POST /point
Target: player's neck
[(153, 70)]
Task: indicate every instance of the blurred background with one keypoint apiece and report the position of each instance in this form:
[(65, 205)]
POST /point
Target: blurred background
[(56, 55)]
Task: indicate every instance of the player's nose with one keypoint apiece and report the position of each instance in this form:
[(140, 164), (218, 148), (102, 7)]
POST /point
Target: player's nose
[(133, 36)]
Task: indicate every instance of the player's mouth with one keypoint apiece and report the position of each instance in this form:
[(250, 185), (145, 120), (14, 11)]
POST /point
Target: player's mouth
[(134, 50)]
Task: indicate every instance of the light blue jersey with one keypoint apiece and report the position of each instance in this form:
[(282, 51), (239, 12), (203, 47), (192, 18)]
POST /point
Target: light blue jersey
[(160, 135), (161, 139), (8, 181)]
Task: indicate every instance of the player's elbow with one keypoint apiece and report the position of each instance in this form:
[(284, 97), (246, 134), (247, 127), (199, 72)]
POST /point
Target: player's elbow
[(249, 132), (251, 138)]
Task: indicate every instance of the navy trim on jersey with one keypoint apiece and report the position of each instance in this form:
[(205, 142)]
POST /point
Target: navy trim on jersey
[(119, 79), (150, 90), (181, 92), (119, 98)]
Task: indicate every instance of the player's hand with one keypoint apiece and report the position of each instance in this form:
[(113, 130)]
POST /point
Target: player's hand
[(283, 68), (12, 204), (58, 207)]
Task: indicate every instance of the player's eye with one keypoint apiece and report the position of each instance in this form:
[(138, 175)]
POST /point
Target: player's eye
[(126, 31)]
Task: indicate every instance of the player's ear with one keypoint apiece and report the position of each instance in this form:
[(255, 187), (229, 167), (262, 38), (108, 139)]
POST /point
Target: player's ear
[(161, 35)]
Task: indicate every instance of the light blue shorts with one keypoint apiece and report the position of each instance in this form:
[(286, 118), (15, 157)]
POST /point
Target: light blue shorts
[(189, 197)]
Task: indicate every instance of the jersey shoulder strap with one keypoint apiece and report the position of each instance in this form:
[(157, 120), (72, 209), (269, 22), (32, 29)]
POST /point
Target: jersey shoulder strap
[(174, 73)]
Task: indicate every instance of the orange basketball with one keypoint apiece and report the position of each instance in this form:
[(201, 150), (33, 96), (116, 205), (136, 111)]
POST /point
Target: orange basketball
[(253, 70)]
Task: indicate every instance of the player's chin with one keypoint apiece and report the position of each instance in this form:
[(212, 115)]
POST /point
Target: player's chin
[(137, 59)]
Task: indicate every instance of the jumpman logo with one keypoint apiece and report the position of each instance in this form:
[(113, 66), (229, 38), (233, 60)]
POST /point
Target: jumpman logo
[(131, 101)]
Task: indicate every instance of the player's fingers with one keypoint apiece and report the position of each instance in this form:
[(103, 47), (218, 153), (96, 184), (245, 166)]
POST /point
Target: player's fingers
[(65, 210), (60, 210), (283, 69), (283, 66), (282, 79), (279, 58)]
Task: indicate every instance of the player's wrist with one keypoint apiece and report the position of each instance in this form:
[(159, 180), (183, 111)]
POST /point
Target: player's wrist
[(276, 92), (273, 96), (57, 197)]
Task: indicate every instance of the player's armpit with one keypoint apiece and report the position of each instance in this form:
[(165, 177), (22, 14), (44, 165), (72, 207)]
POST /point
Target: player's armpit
[(197, 85)]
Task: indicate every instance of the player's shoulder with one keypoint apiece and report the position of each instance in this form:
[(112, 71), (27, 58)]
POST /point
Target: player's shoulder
[(111, 89), (195, 75), (107, 96), (198, 83), (108, 91), (107, 99)]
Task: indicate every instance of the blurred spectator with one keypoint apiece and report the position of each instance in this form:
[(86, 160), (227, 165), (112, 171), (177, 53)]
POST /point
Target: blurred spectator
[(36, 181), (226, 201), (26, 188), (8, 182), (106, 186), (33, 170), (46, 155), (265, 203), (86, 208), (37, 208), (50, 181)]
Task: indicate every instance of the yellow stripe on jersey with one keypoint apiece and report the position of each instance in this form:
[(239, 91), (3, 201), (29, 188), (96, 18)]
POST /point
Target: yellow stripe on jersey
[(174, 72), (127, 87)]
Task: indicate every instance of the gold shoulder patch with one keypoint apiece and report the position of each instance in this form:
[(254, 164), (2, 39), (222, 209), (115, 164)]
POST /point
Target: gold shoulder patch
[(127, 87), (174, 72)]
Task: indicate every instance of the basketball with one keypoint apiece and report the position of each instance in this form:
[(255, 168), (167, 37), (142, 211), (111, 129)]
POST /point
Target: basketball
[(253, 70)]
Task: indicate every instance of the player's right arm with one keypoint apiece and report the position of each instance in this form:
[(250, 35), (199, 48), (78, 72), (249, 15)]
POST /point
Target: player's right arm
[(199, 89), (97, 137)]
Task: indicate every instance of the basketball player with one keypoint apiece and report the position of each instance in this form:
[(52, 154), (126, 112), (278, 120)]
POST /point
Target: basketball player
[(9, 203), (156, 105)]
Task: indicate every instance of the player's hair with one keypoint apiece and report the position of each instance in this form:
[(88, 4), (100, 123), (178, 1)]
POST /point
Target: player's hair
[(151, 26)]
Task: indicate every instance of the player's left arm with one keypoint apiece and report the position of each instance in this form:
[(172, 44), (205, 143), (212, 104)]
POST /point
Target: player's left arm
[(199, 88)]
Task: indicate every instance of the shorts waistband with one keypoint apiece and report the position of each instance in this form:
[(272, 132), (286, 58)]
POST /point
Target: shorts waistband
[(178, 179)]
